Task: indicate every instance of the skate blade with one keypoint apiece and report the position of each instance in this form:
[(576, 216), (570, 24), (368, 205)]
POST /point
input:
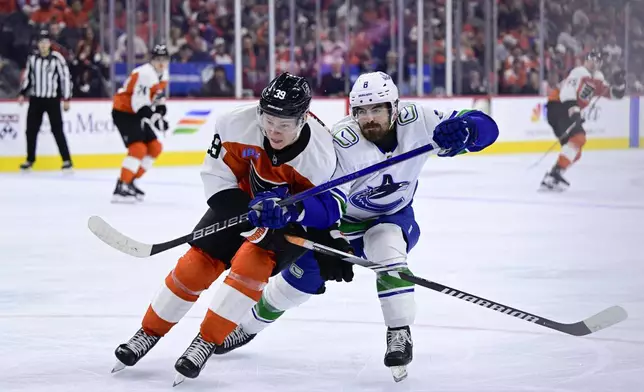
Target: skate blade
[(547, 189), (118, 199), (178, 379), (399, 373), (118, 366)]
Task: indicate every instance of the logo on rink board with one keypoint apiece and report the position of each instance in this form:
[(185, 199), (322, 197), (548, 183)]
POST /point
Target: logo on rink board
[(8, 122), (539, 112), (191, 122)]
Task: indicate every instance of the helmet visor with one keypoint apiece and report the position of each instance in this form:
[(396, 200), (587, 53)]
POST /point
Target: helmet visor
[(274, 124)]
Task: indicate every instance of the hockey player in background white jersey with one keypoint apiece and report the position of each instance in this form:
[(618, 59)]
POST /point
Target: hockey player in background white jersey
[(379, 219), (564, 113)]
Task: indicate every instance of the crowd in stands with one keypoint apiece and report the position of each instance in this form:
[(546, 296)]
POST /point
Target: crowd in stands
[(203, 31)]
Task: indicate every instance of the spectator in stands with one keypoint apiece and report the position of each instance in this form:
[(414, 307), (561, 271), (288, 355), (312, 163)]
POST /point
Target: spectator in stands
[(46, 14), (473, 86), (7, 6), (218, 85), (514, 78), (532, 86), (9, 79), (219, 53), (177, 40), (76, 17), (140, 49), (196, 42), (568, 41), (333, 83), (187, 55), (88, 84)]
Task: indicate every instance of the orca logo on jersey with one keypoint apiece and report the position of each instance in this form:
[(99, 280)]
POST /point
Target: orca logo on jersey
[(364, 199)]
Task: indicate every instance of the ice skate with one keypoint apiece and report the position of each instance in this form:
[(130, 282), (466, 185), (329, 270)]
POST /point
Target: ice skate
[(399, 352), (128, 354)]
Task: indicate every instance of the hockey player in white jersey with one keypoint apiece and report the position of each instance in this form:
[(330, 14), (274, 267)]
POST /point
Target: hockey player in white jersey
[(379, 219), (260, 154), (564, 113)]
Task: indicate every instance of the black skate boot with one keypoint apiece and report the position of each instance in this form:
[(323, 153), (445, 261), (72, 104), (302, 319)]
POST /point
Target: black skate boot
[(399, 351), (123, 193), (128, 354), (26, 165), (193, 359), (67, 166), (554, 181), (234, 340), (140, 195)]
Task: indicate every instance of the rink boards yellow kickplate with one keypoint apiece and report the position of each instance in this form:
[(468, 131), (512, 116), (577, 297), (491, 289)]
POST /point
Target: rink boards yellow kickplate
[(174, 158), (101, 161)]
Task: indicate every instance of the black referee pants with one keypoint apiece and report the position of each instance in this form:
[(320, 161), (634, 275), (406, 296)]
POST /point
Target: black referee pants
[(38, 107)]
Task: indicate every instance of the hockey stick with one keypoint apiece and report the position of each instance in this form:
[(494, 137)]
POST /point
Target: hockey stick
[(125, 244), (597, 322), (562, 137)]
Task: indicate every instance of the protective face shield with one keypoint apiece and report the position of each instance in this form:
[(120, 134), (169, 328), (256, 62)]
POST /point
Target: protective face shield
[(280, 131), (374, 104), (374, 120)]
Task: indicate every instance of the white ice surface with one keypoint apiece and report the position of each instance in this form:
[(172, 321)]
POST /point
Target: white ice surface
[(67, 300)]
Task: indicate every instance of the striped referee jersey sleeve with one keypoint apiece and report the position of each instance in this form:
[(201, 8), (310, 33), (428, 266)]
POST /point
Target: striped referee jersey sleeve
[(64, 77)]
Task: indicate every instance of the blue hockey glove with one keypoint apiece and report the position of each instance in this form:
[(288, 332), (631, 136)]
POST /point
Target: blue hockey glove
[(265, 212), (454, 135)]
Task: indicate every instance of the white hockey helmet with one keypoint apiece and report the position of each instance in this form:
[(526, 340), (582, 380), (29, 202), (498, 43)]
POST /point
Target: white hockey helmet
[(373, 88)]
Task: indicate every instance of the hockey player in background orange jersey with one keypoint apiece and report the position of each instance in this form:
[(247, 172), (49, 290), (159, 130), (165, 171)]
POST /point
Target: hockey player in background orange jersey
[(564, 113), (138, 112)]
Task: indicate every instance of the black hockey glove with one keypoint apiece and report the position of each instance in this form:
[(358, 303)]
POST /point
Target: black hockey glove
[(619, 77), (331, 267), (161, 109), (575, 115)]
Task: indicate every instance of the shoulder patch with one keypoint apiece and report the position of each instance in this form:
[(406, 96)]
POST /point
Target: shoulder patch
[(345, 137), (408, 114)]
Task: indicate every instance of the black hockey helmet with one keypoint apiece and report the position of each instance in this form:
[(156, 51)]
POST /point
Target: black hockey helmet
[(159, 51), (596, 55), (43, 34), (286, 96)]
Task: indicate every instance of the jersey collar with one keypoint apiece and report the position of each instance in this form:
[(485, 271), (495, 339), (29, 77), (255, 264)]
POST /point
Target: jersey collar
[(288, 153)]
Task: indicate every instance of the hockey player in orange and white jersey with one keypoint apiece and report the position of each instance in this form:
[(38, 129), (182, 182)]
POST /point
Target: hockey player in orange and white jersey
[(259, 154), (138, 110), (564, 113)]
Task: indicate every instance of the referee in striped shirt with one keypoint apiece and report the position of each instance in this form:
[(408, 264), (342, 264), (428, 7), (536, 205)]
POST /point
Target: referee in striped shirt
[(46, 81)]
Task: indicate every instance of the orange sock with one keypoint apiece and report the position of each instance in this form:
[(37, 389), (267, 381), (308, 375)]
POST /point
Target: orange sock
[(194, 273), (154, 149), (242, 288), (132, 162)]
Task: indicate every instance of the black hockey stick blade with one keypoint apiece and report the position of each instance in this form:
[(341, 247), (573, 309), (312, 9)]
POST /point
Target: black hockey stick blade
[(597, 322)]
